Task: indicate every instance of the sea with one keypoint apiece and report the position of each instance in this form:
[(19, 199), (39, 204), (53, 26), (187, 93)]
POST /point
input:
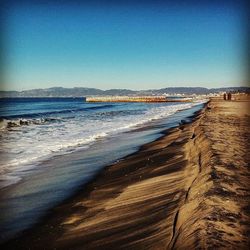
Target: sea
[(51, 147)]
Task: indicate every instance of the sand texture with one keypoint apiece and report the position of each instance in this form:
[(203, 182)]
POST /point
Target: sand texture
[(187, 190)]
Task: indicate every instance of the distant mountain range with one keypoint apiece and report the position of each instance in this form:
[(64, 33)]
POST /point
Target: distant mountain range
[(82, 92)]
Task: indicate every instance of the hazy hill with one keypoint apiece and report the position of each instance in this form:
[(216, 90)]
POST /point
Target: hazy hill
[(81, 92)]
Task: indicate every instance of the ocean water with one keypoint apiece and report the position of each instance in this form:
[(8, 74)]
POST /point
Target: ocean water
[(51, 146)]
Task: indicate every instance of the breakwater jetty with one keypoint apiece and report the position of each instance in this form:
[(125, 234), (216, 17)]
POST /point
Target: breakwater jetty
[(134, 99)]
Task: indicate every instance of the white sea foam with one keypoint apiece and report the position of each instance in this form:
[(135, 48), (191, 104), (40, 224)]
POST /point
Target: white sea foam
[(27, 145)]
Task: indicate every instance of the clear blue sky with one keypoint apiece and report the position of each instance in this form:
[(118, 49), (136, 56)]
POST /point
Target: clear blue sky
[(136, 46)]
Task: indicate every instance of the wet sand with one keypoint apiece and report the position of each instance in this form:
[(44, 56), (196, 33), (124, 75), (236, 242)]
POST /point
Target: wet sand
[(188, 189)]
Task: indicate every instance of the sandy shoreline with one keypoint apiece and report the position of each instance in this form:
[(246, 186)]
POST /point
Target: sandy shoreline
[(187, 189)]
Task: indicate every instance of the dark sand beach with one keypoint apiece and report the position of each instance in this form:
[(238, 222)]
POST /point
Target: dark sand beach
[(187, 190)]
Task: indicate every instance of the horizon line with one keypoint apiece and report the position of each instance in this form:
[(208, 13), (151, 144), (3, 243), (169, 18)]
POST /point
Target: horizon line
[(2, 90)]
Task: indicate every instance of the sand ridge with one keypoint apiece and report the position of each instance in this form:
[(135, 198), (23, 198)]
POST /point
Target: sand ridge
[(219, 197)]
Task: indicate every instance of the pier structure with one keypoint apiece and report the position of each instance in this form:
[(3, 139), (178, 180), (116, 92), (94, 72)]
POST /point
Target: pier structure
[(132, 99)]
